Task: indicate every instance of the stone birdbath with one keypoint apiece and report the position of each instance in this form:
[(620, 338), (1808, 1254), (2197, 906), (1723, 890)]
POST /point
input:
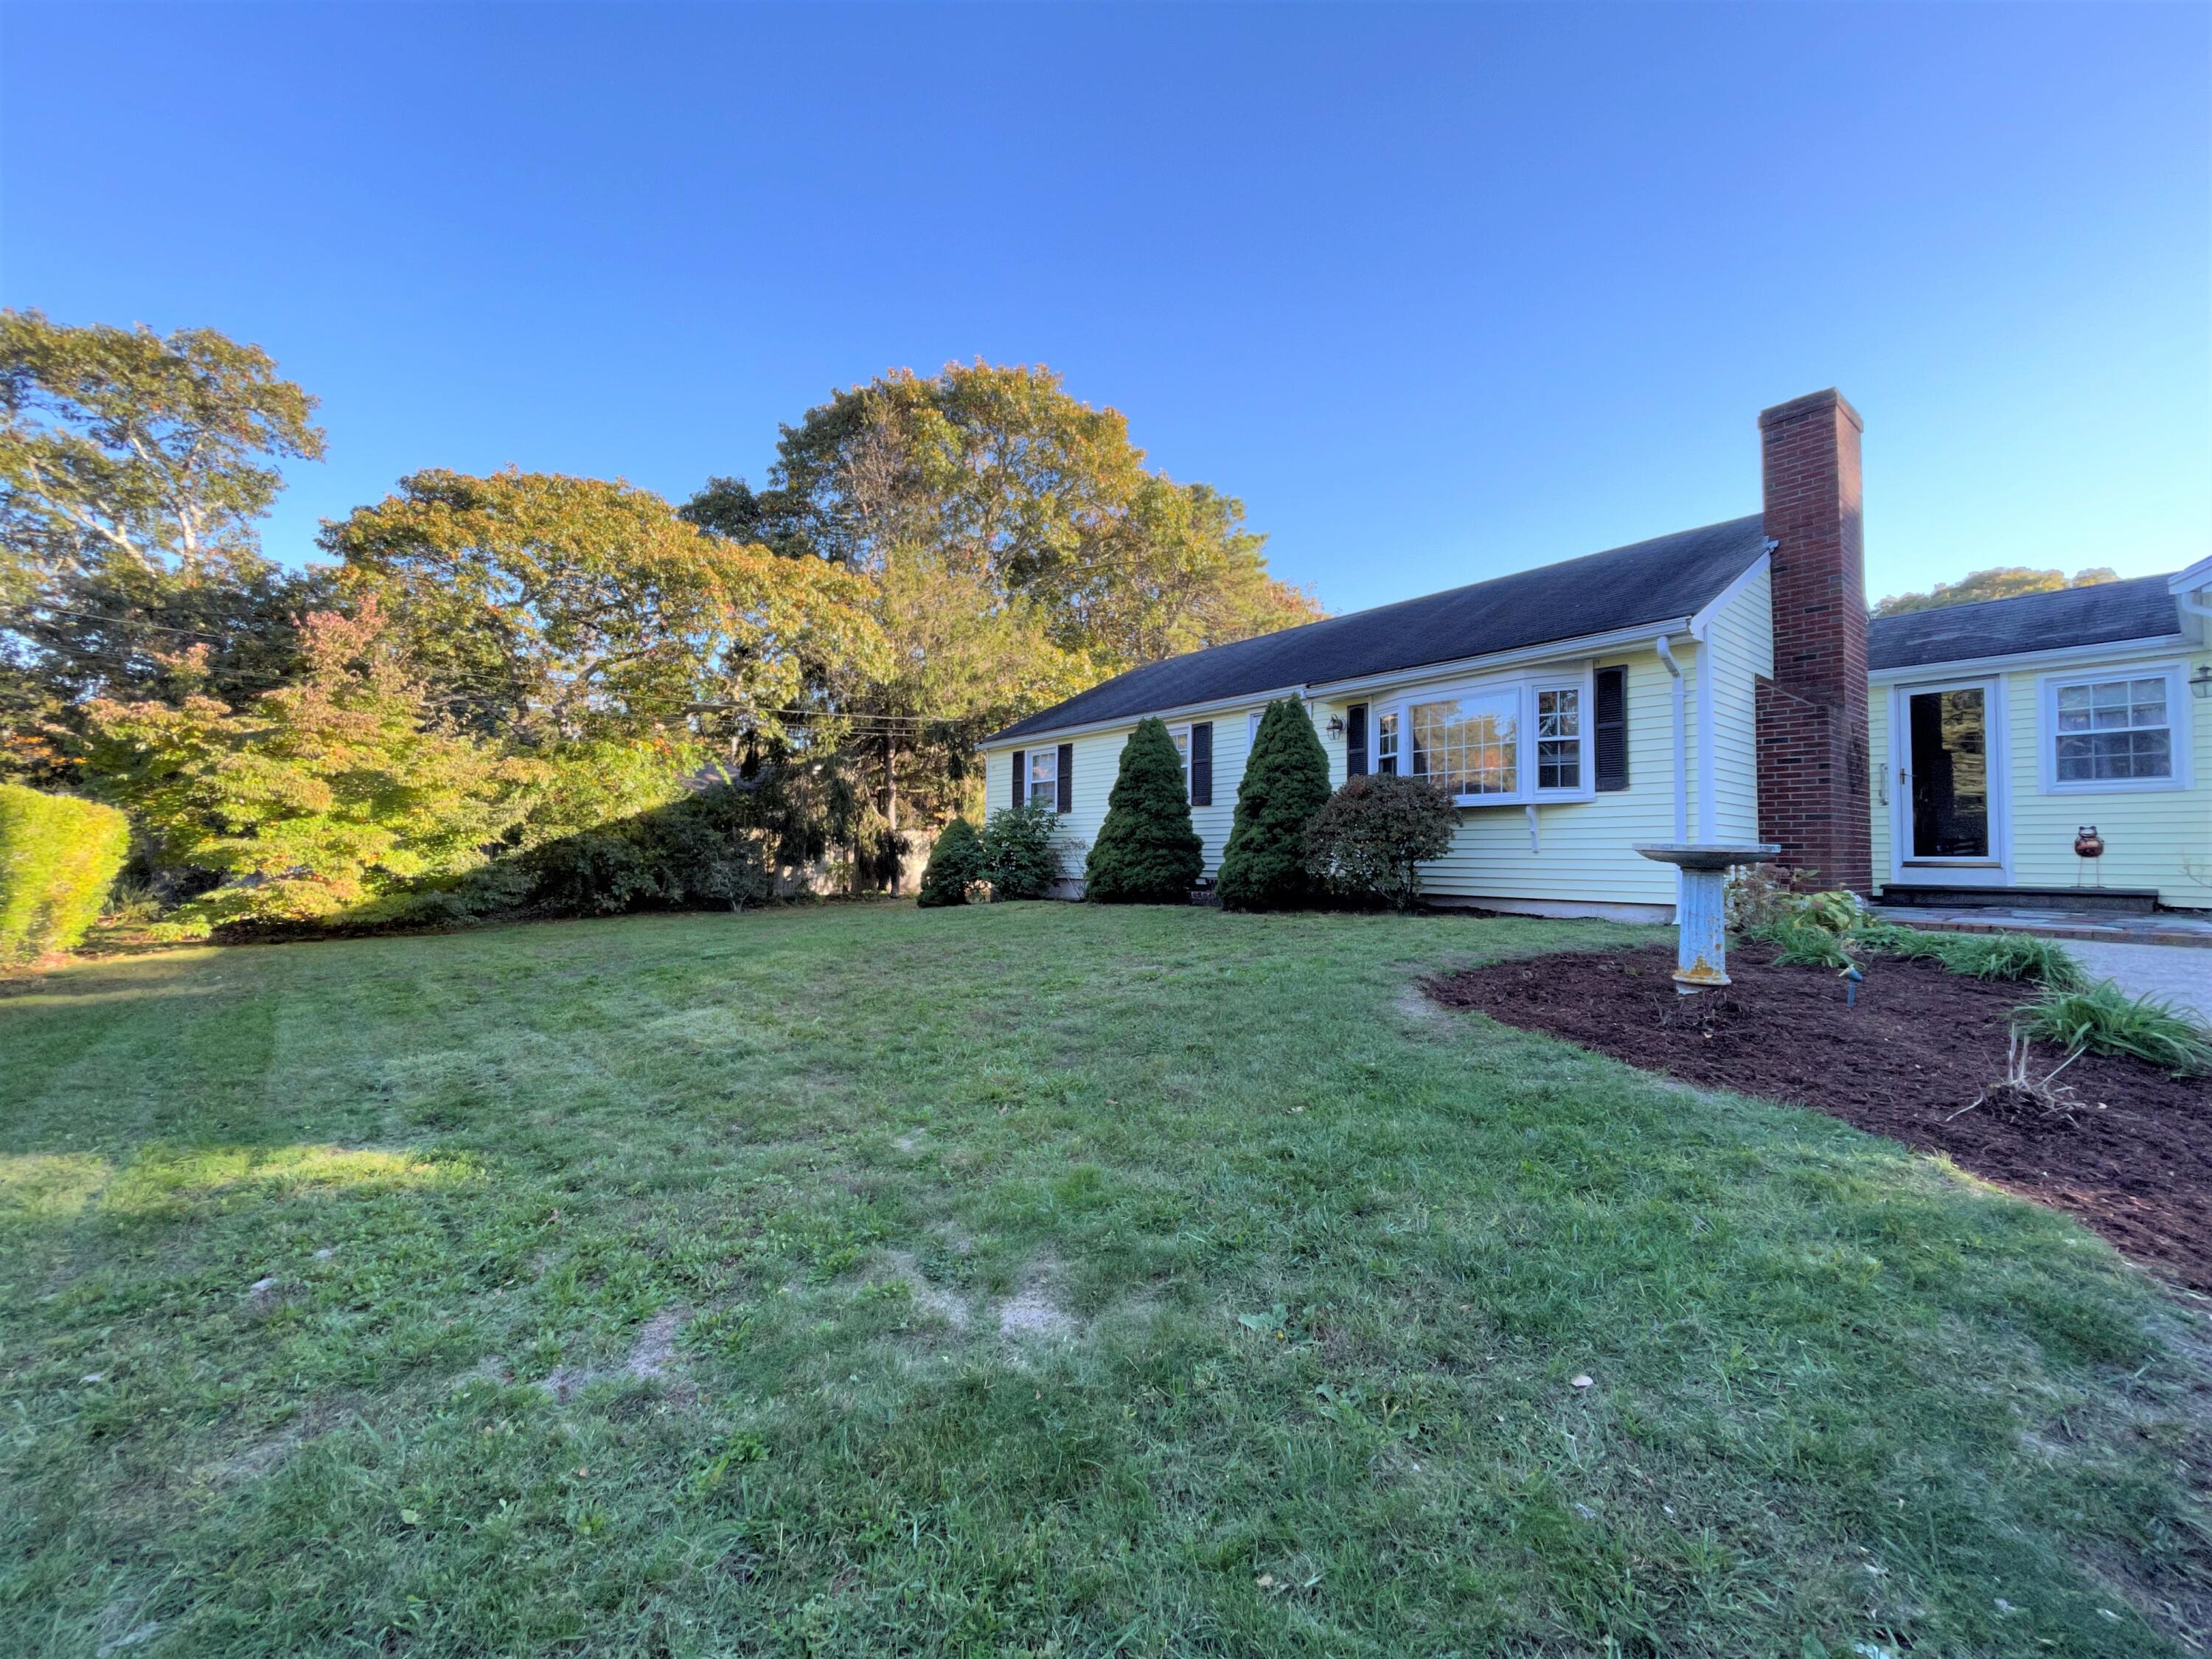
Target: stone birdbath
[(1701, 928)]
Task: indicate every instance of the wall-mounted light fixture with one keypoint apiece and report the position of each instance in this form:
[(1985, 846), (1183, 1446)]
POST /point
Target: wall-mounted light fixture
[(1336, 721), (2201, 681)]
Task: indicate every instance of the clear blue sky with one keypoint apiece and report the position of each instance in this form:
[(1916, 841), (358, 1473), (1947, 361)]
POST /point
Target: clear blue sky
[(1439, 292)]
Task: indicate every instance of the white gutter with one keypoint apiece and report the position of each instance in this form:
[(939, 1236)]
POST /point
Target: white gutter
[(1681, 742), (1708, 825)]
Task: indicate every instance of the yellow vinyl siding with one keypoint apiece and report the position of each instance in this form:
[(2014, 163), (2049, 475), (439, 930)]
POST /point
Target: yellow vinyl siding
[(2151, 837), (1743, 639), (2154, 839)]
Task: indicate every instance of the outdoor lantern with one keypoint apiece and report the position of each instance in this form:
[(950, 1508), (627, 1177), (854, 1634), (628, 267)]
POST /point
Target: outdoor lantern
[(2201, 681), (1336, 721)]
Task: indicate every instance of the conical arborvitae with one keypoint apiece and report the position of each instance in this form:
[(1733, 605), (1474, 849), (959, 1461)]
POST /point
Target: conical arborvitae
[(956, 864), (1146, 852), (1286, 782)]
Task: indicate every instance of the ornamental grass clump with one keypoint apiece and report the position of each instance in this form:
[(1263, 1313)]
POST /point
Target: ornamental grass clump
[(1146, 852), (58, 857), (2105, 1018), (1264, 866), (956, 864)]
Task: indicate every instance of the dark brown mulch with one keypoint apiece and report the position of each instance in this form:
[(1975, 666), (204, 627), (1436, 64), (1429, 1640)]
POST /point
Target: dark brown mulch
[(2134, 1162)]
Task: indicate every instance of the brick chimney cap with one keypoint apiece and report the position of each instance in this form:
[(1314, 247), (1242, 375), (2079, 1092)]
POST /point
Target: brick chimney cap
[(1811, 402)]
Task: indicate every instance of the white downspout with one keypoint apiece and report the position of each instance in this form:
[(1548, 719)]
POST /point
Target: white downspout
[(1681, 767), (1681, 744)]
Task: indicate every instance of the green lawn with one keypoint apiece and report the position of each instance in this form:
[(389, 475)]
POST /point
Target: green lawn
[(1034, 1280)]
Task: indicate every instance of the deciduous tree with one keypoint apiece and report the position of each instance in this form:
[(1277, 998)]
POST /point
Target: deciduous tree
[(1999, 582), (551, 608)]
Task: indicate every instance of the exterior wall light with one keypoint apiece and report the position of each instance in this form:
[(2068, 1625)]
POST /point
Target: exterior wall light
[(2201, 681), (1336, 721)]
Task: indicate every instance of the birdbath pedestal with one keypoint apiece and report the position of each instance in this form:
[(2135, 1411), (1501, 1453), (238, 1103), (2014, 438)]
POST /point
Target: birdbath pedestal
[(1701, 947)]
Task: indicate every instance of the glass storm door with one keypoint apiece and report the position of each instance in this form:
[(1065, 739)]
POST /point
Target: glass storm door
[(1947, 747)]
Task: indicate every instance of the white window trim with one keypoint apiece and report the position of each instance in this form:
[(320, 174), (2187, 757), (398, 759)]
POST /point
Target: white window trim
[(1179, 733), (1995, 869), (2178, 702), (1049, 752), (1581, 679)]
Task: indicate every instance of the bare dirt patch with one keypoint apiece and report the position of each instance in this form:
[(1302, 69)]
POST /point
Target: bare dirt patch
[(651, 1359), (2133, 1160), (1031, 1314)]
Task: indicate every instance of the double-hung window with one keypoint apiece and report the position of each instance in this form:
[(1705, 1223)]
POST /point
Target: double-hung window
[(1559, 736), (1386, 742), (2113, 732), (1044, 778)]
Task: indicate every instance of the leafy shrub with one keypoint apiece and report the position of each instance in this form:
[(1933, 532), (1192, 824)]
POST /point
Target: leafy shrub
[(58, 857), (1021, 851), (956, 864), (1264, 866), (1758, 895), (1146, 852), (1800, 944), (2108, 1020), (1370, 839)]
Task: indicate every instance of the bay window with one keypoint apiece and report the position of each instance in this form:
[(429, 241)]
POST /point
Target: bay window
[(1490, 743)]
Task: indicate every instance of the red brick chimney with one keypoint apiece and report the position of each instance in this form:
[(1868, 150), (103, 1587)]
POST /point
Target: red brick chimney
[(1812, 714)]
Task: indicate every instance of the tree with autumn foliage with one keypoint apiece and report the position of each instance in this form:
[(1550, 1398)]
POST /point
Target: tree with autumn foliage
[(320, 796)]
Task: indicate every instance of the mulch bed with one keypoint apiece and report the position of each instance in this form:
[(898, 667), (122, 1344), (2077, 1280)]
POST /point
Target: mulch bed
[(2134, 1162)]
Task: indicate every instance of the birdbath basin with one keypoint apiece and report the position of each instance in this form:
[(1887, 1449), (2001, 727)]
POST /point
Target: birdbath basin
[(1700, 927)]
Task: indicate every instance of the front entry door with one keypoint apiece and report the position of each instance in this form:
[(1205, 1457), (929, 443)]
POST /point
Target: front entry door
[(1951, 793)]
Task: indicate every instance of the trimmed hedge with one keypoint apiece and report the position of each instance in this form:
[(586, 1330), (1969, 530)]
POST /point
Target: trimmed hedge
[(1146, 852), (58, 857)]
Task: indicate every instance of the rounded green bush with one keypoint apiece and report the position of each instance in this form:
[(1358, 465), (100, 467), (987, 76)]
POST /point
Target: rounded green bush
[(956, 864), (1146, 852)]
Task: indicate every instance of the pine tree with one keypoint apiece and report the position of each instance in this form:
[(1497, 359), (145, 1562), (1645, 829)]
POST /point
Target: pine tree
[(956, 864), (1146, 852), (1286, 783)]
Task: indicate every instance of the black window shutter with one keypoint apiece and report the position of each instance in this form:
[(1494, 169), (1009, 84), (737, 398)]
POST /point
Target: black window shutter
[(1021, 761), (1355, 741), (1202, 763), (1066, 770), (1610, 727)]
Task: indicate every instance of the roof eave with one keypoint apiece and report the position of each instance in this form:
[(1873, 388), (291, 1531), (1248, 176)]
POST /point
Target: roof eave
[(1579, 645)]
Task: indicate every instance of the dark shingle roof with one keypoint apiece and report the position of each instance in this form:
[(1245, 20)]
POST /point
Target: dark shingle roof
[(2140, 608), (1652, 581)]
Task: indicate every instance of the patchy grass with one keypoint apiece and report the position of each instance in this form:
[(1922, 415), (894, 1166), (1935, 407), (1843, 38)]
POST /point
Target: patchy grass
[(1017, 1280)]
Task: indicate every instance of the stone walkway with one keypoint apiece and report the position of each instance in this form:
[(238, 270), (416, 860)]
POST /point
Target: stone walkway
[(2161, 927), (2182, 976)]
